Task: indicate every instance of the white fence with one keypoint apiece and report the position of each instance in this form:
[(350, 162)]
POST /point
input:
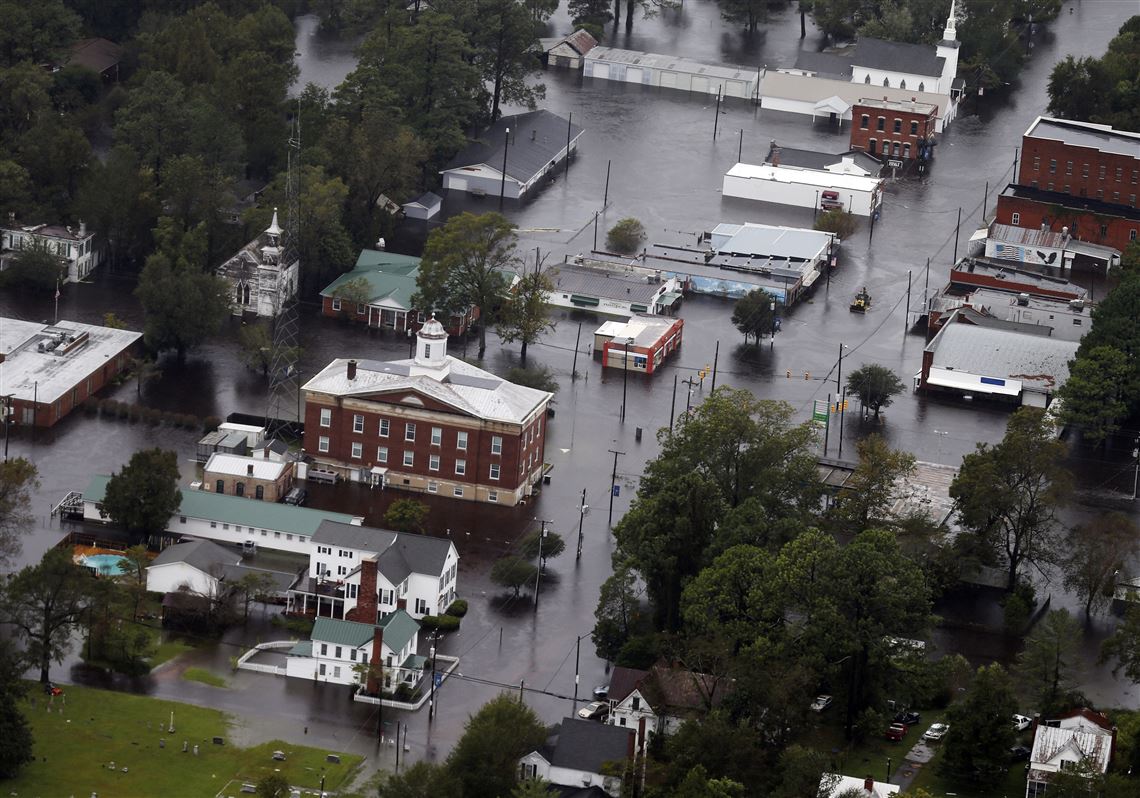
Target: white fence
[(440, 659), (244, 664)]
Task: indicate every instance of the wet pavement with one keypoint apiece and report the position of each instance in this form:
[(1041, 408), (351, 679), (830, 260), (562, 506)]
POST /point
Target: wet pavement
[(666, 170)]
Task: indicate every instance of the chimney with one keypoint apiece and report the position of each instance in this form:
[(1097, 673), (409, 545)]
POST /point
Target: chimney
[(630, 746), (641, 735), (373, 684), (352, 369), (82, 229), (366, 604), (249, 470), (265, 453), (869, 785)]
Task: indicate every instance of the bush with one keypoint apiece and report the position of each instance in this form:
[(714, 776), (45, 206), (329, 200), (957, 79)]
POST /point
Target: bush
[(404, 692), (442, 623), (135, 412), (837, 221), (152, 415), (625, 236), (211, 423), (90, 405), (173, 419), (190, 421), (458, 608)]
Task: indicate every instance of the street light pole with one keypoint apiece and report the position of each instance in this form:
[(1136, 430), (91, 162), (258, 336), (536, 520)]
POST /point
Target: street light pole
[(1135, 467), (431, 698), (581, 518), (503, 182), (613, 483), (538, 576), (625, 378)]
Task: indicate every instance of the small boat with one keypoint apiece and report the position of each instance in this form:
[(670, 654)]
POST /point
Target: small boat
[(861, 302)]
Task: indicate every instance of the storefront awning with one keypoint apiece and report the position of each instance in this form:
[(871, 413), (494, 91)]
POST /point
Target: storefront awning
[(578, 299), (669, 298)]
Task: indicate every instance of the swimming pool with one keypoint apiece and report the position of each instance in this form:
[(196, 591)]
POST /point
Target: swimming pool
[(104, 564)]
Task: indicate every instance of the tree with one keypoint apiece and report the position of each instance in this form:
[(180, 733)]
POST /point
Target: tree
[(1113, 325), (618, 615), (978, 750), (255, 585), (184, 305), (154, 122), (731, 599), (114, 641), (552, 545), (749, 13), (43, 603), (524, 316), (18, 747), (802, 774), (513, 572), (18, 478), (1079, 89), (866, 500), (754, 314), (354, 292), (1009, 494), (36, 33), (144, 494), (1094, 397), (35, 268), (273, 785), (625, 236), (463, 266), (486, 758), (1050, 665), (1123, 645), (407, 515), (421, 780), (503, 41), (1097, 551), (119, 200), (541, 378), (132, 575), (875, 385), (593, 15), (256, 347), (697, 784)]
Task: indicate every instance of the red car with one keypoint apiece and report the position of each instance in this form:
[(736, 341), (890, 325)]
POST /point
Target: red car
[(896, 732)]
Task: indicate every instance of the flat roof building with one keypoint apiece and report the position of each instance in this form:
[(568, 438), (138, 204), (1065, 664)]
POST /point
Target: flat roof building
[(669, 72), (612, 292), (48, 370), (803, 188), (640, 344)]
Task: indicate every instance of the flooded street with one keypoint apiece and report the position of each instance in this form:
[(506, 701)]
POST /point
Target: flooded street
[(666, 171)]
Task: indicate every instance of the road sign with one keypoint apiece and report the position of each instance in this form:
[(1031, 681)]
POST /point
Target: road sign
[(818, 412), (438, 678), (894, 163), (617, 490)]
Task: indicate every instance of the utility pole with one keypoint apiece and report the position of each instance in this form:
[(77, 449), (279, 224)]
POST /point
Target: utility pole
[(957, 232), (1135, 467), (581, 519), (431, 698), (716, 121), (569, 123), (985, 199), (827, 426), (606, 196), (625, 378), (688, 399), (740, 146), (673, 404), (8, 418), (577, 659), (906, 321), (839, 373), (613, 482), (577, 342), (537, 576), (595, 231), (716, 357), (842, 413)]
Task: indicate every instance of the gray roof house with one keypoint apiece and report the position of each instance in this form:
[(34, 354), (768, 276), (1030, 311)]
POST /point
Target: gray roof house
[(205, 568), (581, 753), (531, 145)]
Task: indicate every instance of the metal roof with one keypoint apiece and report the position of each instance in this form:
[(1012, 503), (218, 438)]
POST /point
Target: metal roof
[(96, 54), (1026, 236), (537, 138), (811, 177), (342, 633), (1050, 742), (813, 159), (569, 279), (237, 465), (670, 63), (399, 628), (1086, 134), (238, 510), (390, 278), (469, 389), (642, 329), (27, 373), (770, 241), (1040, 363)]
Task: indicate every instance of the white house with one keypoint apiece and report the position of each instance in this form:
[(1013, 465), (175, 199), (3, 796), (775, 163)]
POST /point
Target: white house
[(1081, 736), (75, 248), (865, 788), (360, 573), (204, 569), (240, 521), (260, 279), (804, 188), (581, 753), (342, 651), (659, 700)]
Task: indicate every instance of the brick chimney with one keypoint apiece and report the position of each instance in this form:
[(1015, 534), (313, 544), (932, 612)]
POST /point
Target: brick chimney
[(376, 660), (352, 369), (366, 605), (641, 735), (869, 785), (630, 746)]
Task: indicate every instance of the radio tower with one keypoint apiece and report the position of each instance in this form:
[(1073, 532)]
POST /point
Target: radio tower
[(284, 377)]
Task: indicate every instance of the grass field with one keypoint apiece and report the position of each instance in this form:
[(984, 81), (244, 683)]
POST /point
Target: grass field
[(74, 750), (168, 650), (204, 676)]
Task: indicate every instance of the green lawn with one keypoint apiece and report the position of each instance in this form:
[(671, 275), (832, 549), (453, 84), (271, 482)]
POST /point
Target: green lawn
[(97, 727), (168, 650), (204, 676)]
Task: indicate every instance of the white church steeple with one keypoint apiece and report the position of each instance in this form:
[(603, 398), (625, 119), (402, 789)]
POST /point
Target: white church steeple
[(947, 49), (950, 33)]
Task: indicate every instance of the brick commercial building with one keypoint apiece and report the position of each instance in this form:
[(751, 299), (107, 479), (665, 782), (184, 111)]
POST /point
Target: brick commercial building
[(1076, 177), (640, 344), (48, 370), (894, 130), (431, 423), (261, 478)]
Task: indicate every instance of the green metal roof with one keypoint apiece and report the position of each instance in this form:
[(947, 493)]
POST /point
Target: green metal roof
[(237, 510), (399, 628), (304, 648), (342, 633), (388, 276)]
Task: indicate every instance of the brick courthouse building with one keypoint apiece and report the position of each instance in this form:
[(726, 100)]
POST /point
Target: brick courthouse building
[(432, 423)]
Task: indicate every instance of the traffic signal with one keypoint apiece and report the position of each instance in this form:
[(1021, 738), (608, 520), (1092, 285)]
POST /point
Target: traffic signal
[(844, 405)]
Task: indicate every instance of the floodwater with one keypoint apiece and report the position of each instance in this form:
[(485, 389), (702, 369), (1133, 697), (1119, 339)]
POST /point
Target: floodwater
[(666, 170)]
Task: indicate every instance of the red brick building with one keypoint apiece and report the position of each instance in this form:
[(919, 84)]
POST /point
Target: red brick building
[(432, 423), (640, 344), (890, 129), (48, 370), (1076, 175)]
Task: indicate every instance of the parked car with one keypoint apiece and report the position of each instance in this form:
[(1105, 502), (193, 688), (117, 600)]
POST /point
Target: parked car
[(821, 703), (1019, 753), (596, 710), (908, 718), (295, 497), (1021, 723), (936, 732), (896, 731), (601, 692)]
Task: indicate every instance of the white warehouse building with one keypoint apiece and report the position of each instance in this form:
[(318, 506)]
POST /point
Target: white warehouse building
[(804, 188), (669, 72)]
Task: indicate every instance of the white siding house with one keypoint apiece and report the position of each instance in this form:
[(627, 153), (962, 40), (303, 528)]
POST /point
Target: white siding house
[(577, 753), (340, 651), (75, 248)]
